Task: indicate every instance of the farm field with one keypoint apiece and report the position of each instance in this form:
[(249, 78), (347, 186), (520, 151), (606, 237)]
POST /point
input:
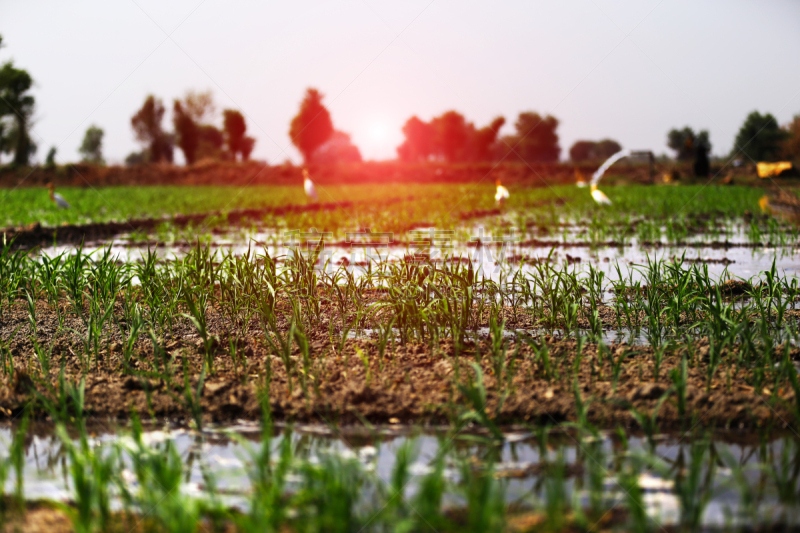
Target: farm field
[(399, 358)]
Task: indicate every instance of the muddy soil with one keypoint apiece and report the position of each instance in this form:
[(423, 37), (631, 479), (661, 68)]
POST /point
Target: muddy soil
[(355, 380)]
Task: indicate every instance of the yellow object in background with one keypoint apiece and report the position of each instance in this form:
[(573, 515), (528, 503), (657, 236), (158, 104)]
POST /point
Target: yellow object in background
[(767, 170)]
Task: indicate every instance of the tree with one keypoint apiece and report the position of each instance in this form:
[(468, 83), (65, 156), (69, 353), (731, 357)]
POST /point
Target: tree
[(338, 149), (211, 142), (92, 147), (186, 131), (685, 143), (760, 138), (199, 106), (536, 140), (791, 143), (593, 151), (582, 151), (50, 160), (450, 135), (147, 126), (248, 143), (312, 125), (605, 148), (235, 129), (418, 145), (484, 139), (16, 104)]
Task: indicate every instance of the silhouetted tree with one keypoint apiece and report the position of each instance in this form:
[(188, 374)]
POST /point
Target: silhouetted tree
[(186, 131), (760, 138), (593, 151), (536, 140), (235, 129), (147, 126), (18, 106), (312, 125), (338, 149), (418, 145), (92, 147), (685, 143)]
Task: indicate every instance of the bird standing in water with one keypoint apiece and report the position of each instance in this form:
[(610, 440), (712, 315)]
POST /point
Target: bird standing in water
[(57, 198), (501, 195), (308, 186), (599, 196)]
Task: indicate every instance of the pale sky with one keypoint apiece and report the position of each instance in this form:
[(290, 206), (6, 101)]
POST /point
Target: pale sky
[(628, 70)]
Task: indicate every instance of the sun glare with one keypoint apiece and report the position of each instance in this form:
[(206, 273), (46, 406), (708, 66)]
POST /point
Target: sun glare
[(378, 131)]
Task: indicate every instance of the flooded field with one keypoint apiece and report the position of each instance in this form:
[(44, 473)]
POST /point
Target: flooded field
[(549, 365)]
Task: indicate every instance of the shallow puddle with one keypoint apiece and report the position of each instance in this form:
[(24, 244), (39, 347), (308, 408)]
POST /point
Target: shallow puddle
[(518, 462)]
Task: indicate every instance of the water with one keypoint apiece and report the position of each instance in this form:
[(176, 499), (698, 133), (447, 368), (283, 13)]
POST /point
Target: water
[(519, 464)]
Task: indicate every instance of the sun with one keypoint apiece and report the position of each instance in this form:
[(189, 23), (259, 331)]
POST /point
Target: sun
[(378, 131)]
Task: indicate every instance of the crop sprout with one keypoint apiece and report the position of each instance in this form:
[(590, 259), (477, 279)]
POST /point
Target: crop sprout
[(304, 336)]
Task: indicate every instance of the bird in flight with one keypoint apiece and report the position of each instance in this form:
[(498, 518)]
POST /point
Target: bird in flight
[(501, 195), (57, 198), (308, 186)]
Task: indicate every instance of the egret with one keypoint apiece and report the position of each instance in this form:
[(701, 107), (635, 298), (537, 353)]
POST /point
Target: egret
[(599, 196), (57, 198), (501, 195), (308, 185)]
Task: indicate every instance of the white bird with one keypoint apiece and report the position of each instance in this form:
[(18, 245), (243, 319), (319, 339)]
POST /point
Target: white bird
[(599, 196), (501, 195), (579, 180), (308, 185), (57, 198)]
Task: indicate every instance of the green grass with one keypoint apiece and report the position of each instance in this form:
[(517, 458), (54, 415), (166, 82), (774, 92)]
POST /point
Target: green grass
[(436, 204)]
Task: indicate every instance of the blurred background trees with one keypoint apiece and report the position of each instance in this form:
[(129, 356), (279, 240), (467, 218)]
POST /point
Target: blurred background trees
[(312, 125), (235, 138), (686, 142), (147, 127), (337, 149), (582, 151), (760, 138), (16, 113), (535, 141), (91, 149), (448, 137), (791, 144)]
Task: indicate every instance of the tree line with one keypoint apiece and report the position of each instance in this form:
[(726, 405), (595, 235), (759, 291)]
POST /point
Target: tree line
[(449, 137)]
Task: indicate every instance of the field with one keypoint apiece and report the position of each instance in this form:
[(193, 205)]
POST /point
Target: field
[(407, 357)]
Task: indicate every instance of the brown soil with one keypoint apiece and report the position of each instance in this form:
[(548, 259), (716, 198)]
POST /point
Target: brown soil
[(412, 383)]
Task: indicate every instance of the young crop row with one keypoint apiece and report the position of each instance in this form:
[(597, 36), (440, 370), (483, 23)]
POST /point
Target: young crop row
[(130, 484)]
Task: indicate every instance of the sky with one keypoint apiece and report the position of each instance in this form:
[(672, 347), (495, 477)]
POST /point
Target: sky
[(625, 70)]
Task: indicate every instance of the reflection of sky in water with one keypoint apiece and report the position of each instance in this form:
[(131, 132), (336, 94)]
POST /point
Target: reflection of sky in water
[(742, 262), (46, 472)]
